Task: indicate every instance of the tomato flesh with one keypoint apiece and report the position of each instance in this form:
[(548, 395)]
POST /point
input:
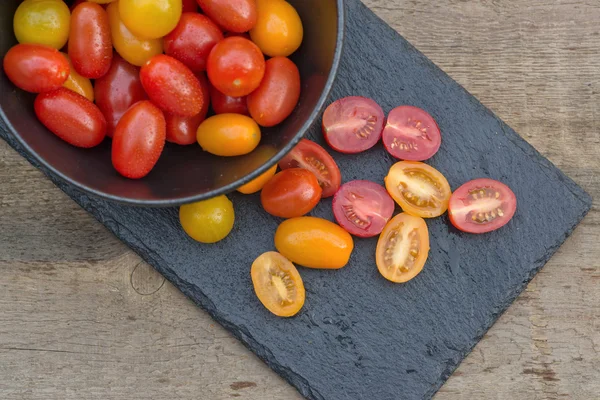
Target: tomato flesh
[(482, 205), (353, 124), (291, 193), (362, 208), (411, 134)]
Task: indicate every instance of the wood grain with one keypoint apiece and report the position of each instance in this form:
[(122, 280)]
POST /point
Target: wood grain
[(82, 318)]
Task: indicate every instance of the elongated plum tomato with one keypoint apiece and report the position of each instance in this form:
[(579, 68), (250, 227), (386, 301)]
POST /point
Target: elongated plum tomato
[(353, 124), (362, 208), (314, 243), (411, 134), (172, 86), (278, 93), (192, 40), (36, 68), (278, 30), (150, 19), (78, 83), (482, 205), (228, 135), (236, 66), (135, 50), (138, 140), (182, 130), (223, 104), (291, 193), (231, 15), (257, 184), (403, 248), (90, 44), (311, 156), (418, 188), (277, 284), (208, 221), (42, 22), (118, 90), (71, 117)]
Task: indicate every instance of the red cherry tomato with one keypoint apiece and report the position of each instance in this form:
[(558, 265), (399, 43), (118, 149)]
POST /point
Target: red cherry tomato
[(36, 68), (363, 208), (182, 130), (232, 15), (118, 90), (411, 134), (482, 205), (172, 86), (139, 140), (291, 193), (311, 156), (192, 40), (353, 124), (223, 104), (90, 44), (71, 117), (189, 6), (278, 93), (236, 66)]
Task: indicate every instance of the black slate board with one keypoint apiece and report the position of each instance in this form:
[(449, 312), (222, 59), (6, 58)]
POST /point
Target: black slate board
[(359, 336)]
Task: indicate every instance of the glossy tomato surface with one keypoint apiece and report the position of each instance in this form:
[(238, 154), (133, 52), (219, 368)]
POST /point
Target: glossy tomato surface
[(418, 188), (482, 205), (278, 93), (231, 15), (189, 6), (208, 221), (228, 135), (363, 208), (311, 156), (257, 184), (183, 130), (78, 83), (223, 104), (291, 193), (278, 30), (411, 134), (403, 248), (150, 19), (353, 124), (138, 140), (42, 22), (71, 117), (36, 68)]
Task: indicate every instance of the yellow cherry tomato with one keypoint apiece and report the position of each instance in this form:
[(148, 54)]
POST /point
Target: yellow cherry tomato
[(208, 221), (278, 30), (78, 83), (257, 184), (133, 49), (151, 19), (314, 243), (42, 22), (228, 135)]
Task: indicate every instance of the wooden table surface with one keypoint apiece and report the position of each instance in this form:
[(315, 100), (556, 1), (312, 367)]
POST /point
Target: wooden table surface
[(81, 317)]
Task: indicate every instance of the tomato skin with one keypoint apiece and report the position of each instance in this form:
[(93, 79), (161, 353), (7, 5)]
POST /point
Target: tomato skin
[(291, 193), (150, 19), (42, 22), (208, 221), (189, 6), (228, 135), (36, 68), (232, 15), (192, 40), (278, 30), (411, 134), (314, 243), (139, 140), (236, 66), (71, 117), (257, 184), (172, 86), (78, 83), (278, 93), (182, 130), (223, 104)]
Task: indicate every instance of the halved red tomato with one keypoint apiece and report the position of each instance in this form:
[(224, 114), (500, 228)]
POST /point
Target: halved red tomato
[(362, 208), (482, 205), (353, 124), (311, 156), (418, 188), (411, 134), (403, 248)]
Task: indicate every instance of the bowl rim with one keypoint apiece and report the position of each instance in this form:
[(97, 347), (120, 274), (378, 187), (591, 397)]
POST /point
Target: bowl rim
[(50, 170)]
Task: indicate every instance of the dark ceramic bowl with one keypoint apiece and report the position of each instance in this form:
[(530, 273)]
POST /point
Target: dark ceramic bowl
[(184, 173)]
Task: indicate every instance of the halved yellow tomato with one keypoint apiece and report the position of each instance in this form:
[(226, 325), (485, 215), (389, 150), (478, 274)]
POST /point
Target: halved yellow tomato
[(402, 248), (418, 188), (278, 284)]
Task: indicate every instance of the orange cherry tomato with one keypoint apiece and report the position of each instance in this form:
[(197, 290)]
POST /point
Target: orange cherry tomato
[(231, 15), (278, 30), (78, 83), (277, 284), (314, 243), (228, 135), (36, 68), (291, 193), (418, 188), (257, 184), (402, 248)]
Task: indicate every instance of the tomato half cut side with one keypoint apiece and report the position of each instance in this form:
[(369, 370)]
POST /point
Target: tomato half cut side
[(403, 248), (412, 134), (482, 205), (353, 124), (362, 208), (418, 188), (311, 156), (277, 284)]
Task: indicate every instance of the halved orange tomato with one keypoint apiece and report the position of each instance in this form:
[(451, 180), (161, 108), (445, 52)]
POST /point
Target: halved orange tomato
[(418, 188), (278, 284), (402, 248)]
